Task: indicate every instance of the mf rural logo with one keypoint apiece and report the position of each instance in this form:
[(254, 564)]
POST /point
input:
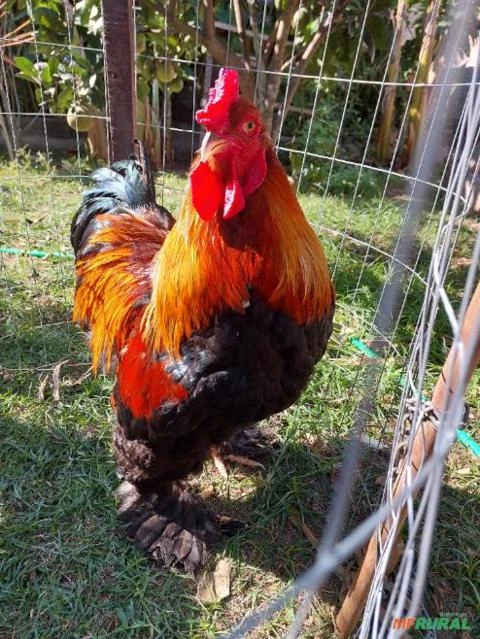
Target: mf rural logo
[(450, 621)]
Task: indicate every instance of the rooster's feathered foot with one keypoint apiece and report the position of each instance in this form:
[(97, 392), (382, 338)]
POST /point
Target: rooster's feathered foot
[(173, 526)]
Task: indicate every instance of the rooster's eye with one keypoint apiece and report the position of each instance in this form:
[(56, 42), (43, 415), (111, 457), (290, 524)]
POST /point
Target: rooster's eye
[(249, 127)]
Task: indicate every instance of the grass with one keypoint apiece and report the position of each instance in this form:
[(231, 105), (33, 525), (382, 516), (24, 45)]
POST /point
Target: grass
[(65, 569)]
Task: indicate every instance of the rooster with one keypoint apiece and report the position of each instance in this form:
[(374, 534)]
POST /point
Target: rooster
[(210, 323)]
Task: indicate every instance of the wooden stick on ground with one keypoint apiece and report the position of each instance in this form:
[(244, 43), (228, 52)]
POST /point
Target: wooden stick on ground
[(423, 444)]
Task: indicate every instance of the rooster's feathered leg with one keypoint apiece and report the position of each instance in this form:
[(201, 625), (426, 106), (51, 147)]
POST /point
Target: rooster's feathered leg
[(158, 511)]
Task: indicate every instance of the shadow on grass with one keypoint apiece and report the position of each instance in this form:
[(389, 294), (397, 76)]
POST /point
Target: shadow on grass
[(35, 327), (64, 558), (67, 570)]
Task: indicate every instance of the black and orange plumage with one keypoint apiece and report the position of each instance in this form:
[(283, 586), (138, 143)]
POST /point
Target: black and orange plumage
[(210, 323)]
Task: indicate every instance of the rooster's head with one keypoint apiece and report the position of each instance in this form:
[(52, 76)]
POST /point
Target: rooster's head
[(232, 157)]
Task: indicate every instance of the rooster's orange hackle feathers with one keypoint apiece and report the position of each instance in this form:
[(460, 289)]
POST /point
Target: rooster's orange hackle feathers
[(205, 268), (202, 270)]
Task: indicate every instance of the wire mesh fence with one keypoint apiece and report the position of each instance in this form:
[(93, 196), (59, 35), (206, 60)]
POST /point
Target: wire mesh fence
[(399, 226)]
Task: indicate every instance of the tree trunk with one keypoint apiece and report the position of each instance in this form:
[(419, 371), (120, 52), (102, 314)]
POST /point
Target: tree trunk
[(207, 79), (157, 133), (6, 137), (385, 129), (417, 107), (97, 139), (8, 134), (271, 59)]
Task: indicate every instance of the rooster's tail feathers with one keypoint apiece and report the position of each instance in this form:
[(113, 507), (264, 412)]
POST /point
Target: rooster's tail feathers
[(124, 186)]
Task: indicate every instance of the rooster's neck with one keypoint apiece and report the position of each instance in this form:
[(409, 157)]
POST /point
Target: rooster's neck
[(205, 268)]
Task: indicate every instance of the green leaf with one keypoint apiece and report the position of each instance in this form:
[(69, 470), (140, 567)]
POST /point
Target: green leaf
[(64, 99), (46, 76), (312, 27), (26, 67), (53, 63), (81, 61), (26, 77)]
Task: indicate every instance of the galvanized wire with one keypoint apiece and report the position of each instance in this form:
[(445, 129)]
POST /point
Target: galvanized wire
[(408, 583)]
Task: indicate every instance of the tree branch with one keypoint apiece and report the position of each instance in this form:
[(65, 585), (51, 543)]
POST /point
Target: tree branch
[(260, 79), (207, 37), (274, 61), (299, 67), (307, 53), (281, 35), (241, 33), (268, 48), (257, 44)]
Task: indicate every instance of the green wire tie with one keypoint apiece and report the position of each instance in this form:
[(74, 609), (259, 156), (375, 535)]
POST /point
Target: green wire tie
[(35, 253)]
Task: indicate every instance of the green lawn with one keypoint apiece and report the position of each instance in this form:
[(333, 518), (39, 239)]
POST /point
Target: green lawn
[(65, 570)]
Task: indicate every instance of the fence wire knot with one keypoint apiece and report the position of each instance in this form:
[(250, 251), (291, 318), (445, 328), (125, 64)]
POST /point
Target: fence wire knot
[(416, 411)]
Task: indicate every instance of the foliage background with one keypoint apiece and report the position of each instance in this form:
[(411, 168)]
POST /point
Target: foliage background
[(279, 47)]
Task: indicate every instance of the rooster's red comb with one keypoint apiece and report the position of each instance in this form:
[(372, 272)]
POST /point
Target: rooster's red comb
[(214, 116)]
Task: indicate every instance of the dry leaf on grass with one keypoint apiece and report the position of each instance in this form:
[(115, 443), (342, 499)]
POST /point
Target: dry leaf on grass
[(461, 262), (42, 387), (297, 521), (463, 471), (244, 461), (83, 377), (208, 492), (219, 465), (36, 220), (56, 379), (215, 585)]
